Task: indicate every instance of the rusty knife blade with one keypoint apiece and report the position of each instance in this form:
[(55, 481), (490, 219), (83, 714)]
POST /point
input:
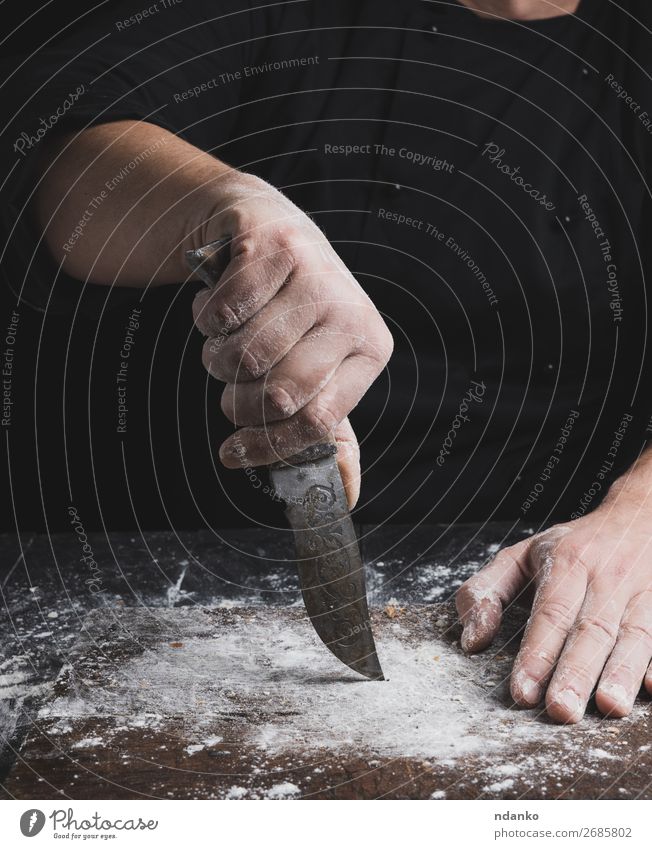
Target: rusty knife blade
[(328, 556)]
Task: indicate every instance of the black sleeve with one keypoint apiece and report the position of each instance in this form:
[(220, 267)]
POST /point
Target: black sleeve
[(173, 63)]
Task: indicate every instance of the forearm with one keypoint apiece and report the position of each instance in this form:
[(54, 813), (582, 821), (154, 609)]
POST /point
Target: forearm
[(635, 485), (122, 202)]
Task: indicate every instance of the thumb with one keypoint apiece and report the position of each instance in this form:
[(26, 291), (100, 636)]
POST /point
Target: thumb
[(348, 460), (481, 600)]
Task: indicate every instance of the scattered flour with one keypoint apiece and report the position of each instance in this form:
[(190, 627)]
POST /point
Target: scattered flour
[(236, 792), (174, 592), (499, 786), (504, 769), (264, 680), (601, 754), (193, 748), (20, 685), (283, 791), (87, 742)]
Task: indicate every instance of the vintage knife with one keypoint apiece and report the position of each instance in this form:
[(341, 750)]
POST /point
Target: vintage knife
[(328, 556)]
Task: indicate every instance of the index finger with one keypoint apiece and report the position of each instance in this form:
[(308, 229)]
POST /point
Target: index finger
[(249, 281), (561, 587)]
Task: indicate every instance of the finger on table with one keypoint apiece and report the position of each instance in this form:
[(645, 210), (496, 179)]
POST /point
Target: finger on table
[(561, 586), (585, 653), (625, 670), (482, 598)]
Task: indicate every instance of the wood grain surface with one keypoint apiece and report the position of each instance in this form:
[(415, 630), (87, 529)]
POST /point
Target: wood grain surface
[(246, 703)]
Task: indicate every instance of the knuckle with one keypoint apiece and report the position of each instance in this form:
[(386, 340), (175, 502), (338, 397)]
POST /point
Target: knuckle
[(319, 420), (273, 253), (245, 246), (288, 248), (227, 403), (385, 344), (240, 362), (378, 348), (290, 238), (640, 633), (574, 674), (200, 309), (231, 361), (279, 401), (570, 552), (547, 655), (506, 557), (247, 365), (597, 627), (211, 355), (556, 613), (626, 672), (225, 318), (214, 315)]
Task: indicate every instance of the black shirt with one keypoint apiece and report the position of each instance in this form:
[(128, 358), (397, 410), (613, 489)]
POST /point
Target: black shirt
[(485, 181)]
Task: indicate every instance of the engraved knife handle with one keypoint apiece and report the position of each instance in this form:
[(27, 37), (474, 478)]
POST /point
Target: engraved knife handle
[(308, 455)]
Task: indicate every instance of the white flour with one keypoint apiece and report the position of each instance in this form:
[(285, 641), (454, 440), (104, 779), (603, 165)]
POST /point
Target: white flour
[(438, 705)]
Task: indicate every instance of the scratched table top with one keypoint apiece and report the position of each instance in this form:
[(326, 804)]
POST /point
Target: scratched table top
[(108, 671)]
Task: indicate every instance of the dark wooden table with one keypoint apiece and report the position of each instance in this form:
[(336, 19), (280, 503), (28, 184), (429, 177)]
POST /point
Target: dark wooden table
[(49, 592)]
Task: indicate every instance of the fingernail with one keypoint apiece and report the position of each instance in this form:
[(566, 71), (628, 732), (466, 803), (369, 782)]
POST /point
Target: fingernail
[(529, 689), (618, 694), (231, 451), (571, 701)]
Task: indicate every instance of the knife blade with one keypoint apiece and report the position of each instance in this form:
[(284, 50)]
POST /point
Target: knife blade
[(328, 555), (330, 567)]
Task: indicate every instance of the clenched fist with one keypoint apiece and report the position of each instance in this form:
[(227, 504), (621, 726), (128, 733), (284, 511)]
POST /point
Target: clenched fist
[(289, 331)]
